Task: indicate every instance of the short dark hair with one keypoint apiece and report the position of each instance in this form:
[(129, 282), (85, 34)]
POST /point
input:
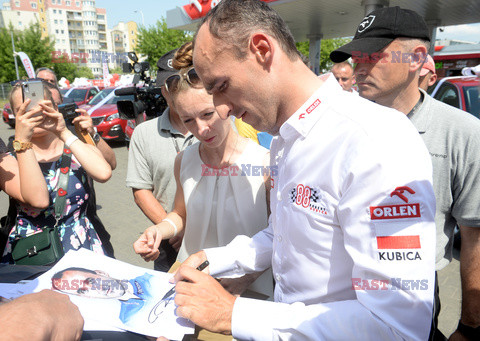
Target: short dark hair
[(59, 274), (234, 20)]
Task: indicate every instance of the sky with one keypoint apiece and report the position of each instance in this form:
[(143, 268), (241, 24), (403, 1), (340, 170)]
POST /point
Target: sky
[(125, 10)]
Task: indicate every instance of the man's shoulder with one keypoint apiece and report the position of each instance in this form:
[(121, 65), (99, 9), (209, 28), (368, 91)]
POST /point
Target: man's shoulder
[(450, 117)]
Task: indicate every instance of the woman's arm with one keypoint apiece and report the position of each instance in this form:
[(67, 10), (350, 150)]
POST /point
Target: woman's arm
[(89, 156), (22, 178), (147, 245), (86, 124)]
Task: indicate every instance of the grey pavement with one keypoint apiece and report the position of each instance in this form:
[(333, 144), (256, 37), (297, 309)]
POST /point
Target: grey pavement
[(125, 222)]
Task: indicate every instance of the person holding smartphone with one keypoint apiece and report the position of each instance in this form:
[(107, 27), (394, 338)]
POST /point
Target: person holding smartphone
[(50, 141)]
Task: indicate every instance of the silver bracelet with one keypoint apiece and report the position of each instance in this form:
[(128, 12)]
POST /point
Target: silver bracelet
[(175, 228), (70, 140)]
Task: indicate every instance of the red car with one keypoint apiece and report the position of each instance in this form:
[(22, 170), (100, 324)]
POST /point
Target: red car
[(462, 92), (8, 117), (103, 110), (81, 95)]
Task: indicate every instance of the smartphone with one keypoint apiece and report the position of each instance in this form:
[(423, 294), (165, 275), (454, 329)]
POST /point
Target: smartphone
[(33, 90)]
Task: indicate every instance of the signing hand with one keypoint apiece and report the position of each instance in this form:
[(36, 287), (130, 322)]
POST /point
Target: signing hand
[(148, 243), (201, 299), (84, 121), (25, 122)]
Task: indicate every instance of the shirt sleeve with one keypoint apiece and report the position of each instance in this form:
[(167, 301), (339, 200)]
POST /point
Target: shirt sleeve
[(242, 255), (138, 171), (398, 308)]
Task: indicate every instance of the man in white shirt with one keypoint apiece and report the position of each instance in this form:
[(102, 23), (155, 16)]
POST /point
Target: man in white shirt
[(351, 234), (343, 73)]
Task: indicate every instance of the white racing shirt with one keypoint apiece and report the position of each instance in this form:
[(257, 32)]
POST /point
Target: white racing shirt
[(351, 236)]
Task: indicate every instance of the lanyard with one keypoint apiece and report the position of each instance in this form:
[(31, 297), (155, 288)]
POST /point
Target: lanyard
[(420, 101)]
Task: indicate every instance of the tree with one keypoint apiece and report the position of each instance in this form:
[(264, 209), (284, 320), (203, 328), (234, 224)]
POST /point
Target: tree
[(327, 46), (64, 68), (157, 40), (84, 71), (29, 41)]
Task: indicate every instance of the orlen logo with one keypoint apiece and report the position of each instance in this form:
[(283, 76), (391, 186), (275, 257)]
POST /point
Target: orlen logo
[(395, 211), (310, 108)]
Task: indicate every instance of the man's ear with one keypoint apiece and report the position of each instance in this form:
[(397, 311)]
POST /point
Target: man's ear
[(419, 56), (262, 47)]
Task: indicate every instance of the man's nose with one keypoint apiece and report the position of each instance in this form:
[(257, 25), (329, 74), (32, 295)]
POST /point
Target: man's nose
[(224, 109)]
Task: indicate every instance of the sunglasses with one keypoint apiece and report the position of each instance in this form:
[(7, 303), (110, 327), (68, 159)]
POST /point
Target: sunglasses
[(172, 82), (21, 81)]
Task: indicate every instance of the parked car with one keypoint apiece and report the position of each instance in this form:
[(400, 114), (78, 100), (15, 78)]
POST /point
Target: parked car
[(462, 92), (8, 116), (103, 110), (81, 95)]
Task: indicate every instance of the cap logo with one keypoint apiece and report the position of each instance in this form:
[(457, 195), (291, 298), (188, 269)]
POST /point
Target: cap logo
[(366, 23), (169, 63)]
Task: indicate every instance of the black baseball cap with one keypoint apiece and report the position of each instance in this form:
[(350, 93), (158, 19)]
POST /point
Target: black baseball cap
[(380, 28), (165, 68)]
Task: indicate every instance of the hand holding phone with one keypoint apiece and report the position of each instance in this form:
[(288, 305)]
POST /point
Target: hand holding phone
[(33, 90)]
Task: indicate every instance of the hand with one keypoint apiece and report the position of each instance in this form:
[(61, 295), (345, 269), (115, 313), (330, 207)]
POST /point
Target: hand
[(193, 261), (457, 336), (201, 299), (84, 121), (176, 241), (148, 243), (25, 122), (56, 318), (54, 121)]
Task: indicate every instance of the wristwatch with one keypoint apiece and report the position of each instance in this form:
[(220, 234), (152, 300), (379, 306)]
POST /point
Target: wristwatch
[(469, 332), (96, 137), (19, 146)]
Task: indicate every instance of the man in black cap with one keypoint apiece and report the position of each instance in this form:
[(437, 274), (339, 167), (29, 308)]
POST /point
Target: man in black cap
[(153, 147), (390, 47)]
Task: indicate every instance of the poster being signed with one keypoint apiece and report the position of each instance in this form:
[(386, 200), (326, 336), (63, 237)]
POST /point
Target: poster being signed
[(117, 294)]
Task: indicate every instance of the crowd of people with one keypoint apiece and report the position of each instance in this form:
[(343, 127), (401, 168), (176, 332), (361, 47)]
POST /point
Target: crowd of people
[(340, 227)]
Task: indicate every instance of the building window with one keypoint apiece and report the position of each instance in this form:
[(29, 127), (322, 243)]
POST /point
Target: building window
[(62, 31), (34, 5), (54, 11), (18, 13), (67, 3), (59, 2), (55, 21), (61, 22), (56, 31), (19, 23), (77, 3), (63, 41), (17, 3), (53, 2), (60, 11)]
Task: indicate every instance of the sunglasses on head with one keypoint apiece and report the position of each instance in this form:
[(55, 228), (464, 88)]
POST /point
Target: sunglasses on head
[(172, 82)]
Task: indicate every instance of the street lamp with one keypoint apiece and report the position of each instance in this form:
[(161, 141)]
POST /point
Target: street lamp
[(143, 20)]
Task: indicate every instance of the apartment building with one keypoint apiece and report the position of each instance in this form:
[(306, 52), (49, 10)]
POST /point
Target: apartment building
[(78, 28)]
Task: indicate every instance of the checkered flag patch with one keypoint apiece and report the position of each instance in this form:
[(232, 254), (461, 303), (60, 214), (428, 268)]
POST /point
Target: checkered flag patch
[(314, 196), (293, 194)]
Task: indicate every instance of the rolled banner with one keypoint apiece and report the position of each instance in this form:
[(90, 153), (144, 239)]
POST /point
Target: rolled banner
[(106, 74), (27, 64)]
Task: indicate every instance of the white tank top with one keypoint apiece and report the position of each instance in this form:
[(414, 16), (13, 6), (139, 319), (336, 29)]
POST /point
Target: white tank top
[(222, 204)]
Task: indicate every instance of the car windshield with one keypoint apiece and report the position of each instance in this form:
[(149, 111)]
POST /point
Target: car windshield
[(101, 95), (472, 101), (64, 91), (78, 95)]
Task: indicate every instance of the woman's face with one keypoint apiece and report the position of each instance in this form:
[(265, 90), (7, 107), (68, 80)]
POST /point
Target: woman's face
[(197, 112)]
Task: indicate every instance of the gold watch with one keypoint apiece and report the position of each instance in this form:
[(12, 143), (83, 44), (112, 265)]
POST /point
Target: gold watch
[(19, 146)]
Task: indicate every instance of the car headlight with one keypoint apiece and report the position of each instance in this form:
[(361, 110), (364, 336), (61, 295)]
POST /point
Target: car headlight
[(112, 117)]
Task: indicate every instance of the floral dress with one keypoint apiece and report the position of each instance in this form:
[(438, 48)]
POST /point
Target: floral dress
[(75, 229)]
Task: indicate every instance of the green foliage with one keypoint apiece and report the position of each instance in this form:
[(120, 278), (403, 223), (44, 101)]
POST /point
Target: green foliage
[(327, 46), (117, 70), (29, 41), (84, 71), (157, 40), (64, 68)]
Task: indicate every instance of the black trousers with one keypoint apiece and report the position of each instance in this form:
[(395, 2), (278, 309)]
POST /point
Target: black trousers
[(435, 333)]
